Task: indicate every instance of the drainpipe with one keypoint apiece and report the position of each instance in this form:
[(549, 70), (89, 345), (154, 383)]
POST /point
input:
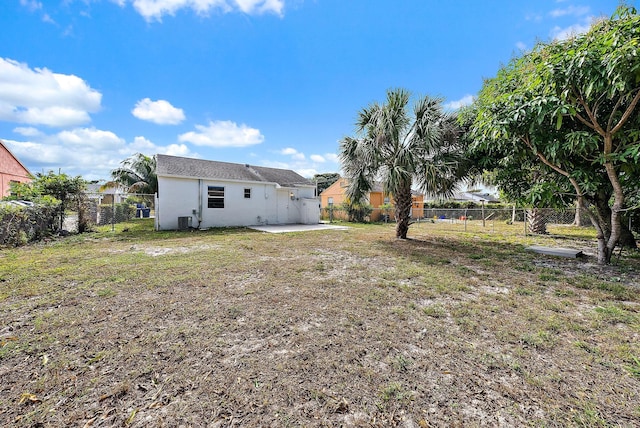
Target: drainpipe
[(200, 189)]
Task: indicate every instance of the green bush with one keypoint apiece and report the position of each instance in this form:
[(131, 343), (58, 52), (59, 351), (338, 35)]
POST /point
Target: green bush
[(20, 225)]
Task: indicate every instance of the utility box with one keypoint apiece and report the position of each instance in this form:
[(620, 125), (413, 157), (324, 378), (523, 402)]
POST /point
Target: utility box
[(184, 223)]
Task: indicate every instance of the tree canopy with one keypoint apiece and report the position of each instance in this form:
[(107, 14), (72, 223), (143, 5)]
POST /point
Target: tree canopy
[(137, 174), (569, 109), (325, 180), (403, 148), (68, 191)]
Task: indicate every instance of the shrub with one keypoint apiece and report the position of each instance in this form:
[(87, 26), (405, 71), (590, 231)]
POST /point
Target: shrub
[(20, 225)]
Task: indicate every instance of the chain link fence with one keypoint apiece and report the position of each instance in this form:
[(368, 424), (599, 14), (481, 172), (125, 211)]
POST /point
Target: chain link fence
[(111, 208), (474, 219)]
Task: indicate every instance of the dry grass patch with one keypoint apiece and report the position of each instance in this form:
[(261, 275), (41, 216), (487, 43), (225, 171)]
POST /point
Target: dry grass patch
[(239, 328)]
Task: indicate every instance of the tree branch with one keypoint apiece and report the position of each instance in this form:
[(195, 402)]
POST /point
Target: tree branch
[(627, 113), (594, 121), (613, 113)]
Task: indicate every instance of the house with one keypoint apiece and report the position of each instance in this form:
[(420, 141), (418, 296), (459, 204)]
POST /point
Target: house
[(201, 193), (11, 170), (108, 195), (475, 197), (336, 195)]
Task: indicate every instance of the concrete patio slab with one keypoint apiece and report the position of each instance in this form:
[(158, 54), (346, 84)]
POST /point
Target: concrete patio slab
[(284, 228), (560, 252)]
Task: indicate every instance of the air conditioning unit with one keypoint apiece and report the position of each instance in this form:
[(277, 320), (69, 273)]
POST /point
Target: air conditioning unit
[(184, 223)]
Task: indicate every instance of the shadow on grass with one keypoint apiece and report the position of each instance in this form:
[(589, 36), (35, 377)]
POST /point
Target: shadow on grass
[(143, 230)]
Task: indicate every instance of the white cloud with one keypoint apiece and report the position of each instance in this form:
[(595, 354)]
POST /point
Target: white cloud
[(296, 155), (300, 164), (521, 46), (331, 157), (41, 97), (88, 152), (176, 150), (571, 11), (143, 145), (160, 112), (558, 33), (261, 6), (32, 5), (455, 105), (28, 131), (306, 172), (223, 133), (90, 139), (156, 9)]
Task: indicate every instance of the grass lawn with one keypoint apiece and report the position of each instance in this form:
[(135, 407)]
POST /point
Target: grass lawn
[(327, 328)]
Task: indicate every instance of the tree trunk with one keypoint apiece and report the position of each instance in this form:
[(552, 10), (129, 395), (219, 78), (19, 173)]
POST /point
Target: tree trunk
[(618, 200), (627, 239), (577, 221), (599, 220), (537, 221), (403, 210)]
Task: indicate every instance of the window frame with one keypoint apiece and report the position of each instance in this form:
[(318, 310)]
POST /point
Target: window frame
[(215, 197)]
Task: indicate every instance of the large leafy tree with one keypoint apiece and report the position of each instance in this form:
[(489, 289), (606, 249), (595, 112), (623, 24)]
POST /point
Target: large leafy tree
[(325, 180), (403, 148), (571, 107), (137, 174), (69, 191)]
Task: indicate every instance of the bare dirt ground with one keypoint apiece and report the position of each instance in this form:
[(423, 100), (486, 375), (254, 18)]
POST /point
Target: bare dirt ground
[(348, 328)]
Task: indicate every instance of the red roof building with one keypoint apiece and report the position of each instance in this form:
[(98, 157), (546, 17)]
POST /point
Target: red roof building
[(11, 170)]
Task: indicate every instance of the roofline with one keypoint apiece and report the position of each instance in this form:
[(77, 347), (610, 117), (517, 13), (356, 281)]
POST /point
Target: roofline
[(191, 177), (14, 156)]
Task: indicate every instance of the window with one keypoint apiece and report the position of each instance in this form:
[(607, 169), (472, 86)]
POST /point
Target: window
[(216, 197), (247, 193)]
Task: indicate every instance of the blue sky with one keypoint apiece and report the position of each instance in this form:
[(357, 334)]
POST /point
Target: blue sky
[(85, 84)]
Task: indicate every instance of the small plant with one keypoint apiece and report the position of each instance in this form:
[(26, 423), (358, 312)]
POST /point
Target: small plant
[(402, 363), (234, 312), (106, 292), (435, 311), (614, 314), (586, 347), (634, 367), (540, 339), (394, 391)]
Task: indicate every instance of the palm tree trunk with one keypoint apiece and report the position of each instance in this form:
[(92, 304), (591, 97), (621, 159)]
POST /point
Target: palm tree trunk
[(537, 221), (403, 210)]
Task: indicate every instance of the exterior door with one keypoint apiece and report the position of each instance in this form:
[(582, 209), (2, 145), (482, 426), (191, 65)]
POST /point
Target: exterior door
[(283, 206)]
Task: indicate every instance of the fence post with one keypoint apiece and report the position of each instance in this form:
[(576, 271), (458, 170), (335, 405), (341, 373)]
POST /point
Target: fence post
[(465, 219), (113, 213)]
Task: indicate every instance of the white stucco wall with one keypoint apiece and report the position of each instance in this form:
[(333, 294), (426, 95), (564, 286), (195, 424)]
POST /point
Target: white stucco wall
[(180, 197)]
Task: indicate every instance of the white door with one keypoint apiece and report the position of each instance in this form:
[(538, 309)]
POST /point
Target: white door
[(283, 207)]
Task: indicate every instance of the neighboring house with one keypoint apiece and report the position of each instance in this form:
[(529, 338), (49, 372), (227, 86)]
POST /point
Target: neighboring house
[(11, 170), (475, 197), (336, 194), (105, 196), (202, 194)]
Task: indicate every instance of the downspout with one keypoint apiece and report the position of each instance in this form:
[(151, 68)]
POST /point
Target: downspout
[(200, 188)]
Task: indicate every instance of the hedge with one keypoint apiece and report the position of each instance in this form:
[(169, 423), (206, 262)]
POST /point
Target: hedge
[(20, 225)]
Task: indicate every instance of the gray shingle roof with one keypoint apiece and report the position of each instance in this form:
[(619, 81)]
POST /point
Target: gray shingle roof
[(198, 168)]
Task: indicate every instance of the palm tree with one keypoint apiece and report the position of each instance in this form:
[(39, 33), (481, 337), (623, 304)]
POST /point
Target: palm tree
[(399, 149), (137, 174)]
